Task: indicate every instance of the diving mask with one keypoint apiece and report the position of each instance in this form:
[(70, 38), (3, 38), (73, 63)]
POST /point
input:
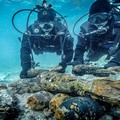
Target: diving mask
[(47, 27), (99, 18)]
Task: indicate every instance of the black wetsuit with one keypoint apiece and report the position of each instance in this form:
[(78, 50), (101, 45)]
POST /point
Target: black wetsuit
[(96, 45), (39, 44)]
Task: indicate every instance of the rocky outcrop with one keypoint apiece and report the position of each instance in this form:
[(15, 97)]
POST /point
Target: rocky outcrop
[(52, 95), (25, 86), (105, 89), (3, 86), (8, 107), (25, 113)]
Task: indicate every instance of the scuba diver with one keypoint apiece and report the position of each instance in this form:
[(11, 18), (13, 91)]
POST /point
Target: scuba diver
[(99, 35), (46, 34)]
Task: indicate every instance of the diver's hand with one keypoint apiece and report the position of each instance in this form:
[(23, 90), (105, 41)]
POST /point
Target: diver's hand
[(110, 64), (23, 74), (74, 63), (58, 68)]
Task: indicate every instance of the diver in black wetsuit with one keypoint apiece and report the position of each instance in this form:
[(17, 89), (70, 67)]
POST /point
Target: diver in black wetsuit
[(99, 35), (46, 35)]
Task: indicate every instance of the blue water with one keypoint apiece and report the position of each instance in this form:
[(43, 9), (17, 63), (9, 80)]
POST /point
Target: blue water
[(9, 44)]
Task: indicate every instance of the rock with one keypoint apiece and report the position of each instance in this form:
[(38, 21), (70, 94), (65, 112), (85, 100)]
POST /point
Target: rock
[(5, 98), (3, 86), (39, 101), (25, 112), (97, 71), (48, 114), (56, 101), (105, 89), (80, 108), (34, 72), (8, 108), (25, 86), (58, 82)]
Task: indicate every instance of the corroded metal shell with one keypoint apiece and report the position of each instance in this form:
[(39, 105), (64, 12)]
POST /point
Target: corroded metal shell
[(57, 100), (79, 108)]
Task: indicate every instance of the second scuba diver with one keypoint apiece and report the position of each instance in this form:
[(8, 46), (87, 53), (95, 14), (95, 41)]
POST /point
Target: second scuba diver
[(46, 35), (99, 35)]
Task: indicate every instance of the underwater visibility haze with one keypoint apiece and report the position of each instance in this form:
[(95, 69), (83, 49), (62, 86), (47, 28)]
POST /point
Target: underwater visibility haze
[(9, 43), (85, 91)]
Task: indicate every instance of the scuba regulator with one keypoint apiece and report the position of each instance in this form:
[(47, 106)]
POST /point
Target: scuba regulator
[(46, 26), (99, 20)]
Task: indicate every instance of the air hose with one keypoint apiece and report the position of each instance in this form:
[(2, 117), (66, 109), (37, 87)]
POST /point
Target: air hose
[(13, 17), (31, 10)]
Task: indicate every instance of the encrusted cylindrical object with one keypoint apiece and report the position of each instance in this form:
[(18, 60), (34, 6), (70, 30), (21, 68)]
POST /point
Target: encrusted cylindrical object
[(97, 71), (34, 72), (57, 100), (39, 100), (79, 108)]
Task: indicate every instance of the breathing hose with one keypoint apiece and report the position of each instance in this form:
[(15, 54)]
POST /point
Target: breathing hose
[(77, 22), (13, 17)]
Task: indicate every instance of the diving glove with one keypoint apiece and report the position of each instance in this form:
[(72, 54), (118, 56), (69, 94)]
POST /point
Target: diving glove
[(74, 63), (60, 68), (111, 64), (23, 74)]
